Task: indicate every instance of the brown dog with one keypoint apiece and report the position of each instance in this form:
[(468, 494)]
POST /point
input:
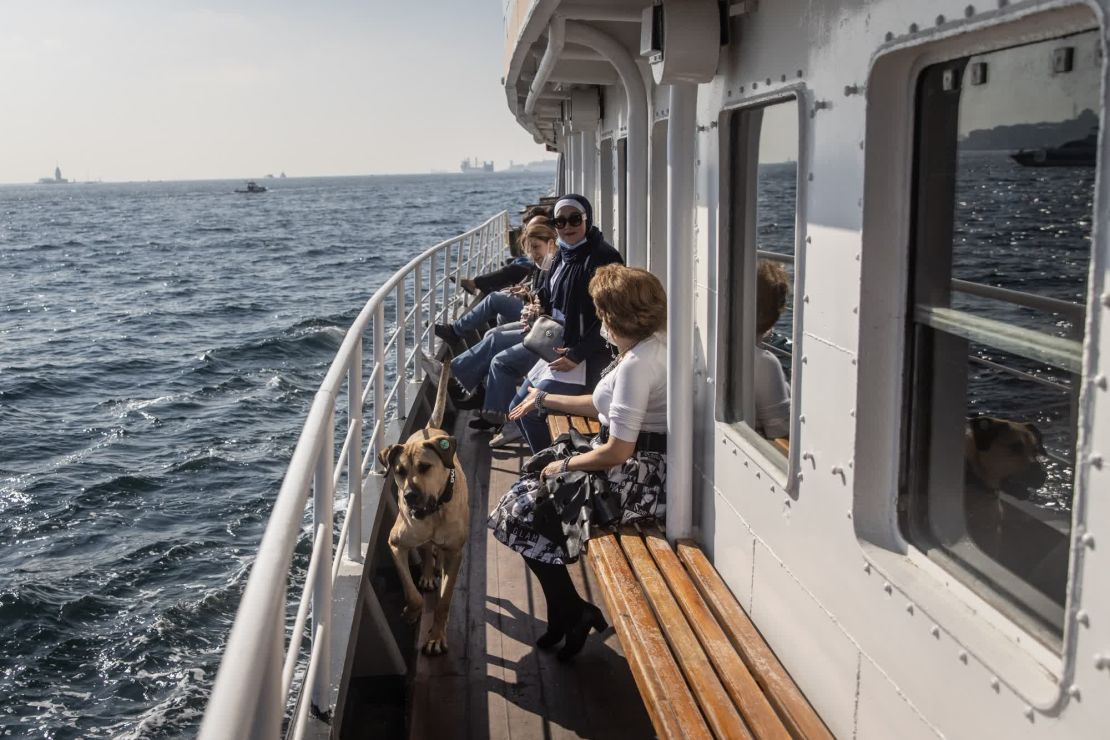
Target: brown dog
[(1003, 456), (433, 514)]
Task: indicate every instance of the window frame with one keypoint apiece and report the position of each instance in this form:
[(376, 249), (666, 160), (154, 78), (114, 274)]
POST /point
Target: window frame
[(783, 468), (1033, 671), (932, 250)]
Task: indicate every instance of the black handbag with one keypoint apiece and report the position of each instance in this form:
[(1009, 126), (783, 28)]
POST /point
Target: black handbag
[(564, 495)]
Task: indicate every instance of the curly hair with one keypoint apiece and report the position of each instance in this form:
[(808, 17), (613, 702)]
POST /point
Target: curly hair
[(772, 288), (629, 300)]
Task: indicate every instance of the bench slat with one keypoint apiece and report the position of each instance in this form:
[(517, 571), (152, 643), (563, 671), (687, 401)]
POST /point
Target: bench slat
[(796, 713), (589, 427), (558, 424), (674, 712), (716, 705), (745, 692)]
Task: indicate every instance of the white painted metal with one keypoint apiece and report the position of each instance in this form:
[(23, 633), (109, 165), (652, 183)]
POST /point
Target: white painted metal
[(681, 153), (883, 641), (688, 52), (249, 697), (636, 106), (547, 64), (323, 497)]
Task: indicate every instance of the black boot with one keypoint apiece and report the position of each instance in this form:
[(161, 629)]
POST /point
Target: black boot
[(590, 617), (470, 400), (482, 425), (447, 333), (556, 630), (564, 607)]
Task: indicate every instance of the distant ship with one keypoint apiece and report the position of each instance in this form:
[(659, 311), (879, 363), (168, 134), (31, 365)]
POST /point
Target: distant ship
[(1077, 153), (56, 180), (468, 166), (252, 187)]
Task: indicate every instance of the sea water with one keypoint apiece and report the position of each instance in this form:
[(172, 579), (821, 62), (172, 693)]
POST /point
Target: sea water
[(160, 345)]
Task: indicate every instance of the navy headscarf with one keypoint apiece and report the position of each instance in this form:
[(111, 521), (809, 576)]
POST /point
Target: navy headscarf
[(573, 256)]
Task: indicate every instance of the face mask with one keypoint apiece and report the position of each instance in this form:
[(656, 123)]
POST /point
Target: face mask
[(547, 261)]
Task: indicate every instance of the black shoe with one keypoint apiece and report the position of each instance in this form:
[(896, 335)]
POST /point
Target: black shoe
[(589, 618), (447, 333), (470, 401), (482, 425), (553, 636)]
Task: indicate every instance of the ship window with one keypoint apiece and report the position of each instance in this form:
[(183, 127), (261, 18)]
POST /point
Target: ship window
[(1003, 204), (604, 210), (756, 298), (622, 198), (657, 203)]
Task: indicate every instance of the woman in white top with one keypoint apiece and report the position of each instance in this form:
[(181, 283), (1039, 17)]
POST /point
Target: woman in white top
[(772, 394), (631, 402)]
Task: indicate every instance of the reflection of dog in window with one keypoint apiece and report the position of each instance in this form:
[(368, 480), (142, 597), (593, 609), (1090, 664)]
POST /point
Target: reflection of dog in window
[(1005, 457)]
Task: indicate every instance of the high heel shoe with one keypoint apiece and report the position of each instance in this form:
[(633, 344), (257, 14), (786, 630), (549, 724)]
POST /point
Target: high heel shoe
[(589, 618), (554, 635)]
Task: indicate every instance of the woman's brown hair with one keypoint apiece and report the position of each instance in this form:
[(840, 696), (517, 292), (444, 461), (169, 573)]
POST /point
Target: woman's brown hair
[(535, 231), (772, 288), (629, 300)]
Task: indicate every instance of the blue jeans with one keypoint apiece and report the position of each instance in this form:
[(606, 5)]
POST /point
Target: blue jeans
[(503, 305), (533, 425), (470, 367), (506, 371)]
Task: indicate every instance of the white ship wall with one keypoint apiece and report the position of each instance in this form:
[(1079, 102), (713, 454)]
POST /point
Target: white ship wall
[(883, 641)]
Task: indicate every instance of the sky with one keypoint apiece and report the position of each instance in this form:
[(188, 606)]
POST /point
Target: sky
[(192, 89)]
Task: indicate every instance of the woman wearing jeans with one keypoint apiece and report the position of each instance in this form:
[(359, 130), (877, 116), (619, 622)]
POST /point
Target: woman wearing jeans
[(565, 296)]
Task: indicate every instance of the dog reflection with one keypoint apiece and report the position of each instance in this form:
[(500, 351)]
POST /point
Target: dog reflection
[(1005, 457)]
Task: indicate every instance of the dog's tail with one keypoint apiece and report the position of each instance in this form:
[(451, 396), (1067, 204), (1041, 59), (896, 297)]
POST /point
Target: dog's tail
[(436, 422)]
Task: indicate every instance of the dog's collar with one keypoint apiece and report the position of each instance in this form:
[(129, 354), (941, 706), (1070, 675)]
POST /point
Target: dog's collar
[(448, 493)]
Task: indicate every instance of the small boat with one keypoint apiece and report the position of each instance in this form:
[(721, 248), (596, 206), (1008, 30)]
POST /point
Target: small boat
[(1077, 153), (252, 187)]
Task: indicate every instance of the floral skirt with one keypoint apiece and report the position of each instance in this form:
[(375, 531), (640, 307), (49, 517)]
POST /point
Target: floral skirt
[(640, 483)]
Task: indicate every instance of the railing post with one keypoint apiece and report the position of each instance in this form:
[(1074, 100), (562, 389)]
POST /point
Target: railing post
[(446, 283), (402, 364), (354, 454), (321, 590), (471, 268), (379, 379), (417, 317), (432, 316)]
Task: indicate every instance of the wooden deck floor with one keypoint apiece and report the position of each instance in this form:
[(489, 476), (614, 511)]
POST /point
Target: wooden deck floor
[(494, 682)]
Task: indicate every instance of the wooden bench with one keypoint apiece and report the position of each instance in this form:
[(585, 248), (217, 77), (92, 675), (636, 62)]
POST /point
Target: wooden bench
[(700, 664)]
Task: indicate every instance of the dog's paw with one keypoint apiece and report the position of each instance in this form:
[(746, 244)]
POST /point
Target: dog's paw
[(412, 611), (428, 583), (435, 645)]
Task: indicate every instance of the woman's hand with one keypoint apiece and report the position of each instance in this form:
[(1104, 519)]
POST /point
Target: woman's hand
[(564, 363), (530, 311), (553, 468), (525, 407)]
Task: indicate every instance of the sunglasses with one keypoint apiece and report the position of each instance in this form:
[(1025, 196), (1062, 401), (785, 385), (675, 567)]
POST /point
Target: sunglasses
[(574, 219)]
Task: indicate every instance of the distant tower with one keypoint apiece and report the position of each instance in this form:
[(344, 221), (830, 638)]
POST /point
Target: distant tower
[(57, 174)]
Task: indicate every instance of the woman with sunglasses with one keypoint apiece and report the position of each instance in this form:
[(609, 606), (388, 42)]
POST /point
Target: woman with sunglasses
[(565, 296)]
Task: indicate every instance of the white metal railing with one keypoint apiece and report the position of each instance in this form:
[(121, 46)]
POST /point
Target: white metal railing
[(252, 689)]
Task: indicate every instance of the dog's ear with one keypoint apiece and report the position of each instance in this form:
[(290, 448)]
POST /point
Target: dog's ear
[(1037, 436), (983, 430), (388, 456), (445, 448)]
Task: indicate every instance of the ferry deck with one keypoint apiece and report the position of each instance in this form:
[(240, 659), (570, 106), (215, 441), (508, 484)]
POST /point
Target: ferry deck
[(933, 176)]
